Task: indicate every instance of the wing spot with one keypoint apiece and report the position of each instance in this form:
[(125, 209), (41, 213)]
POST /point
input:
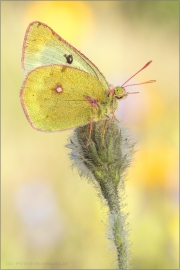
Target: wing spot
[(58, 88), (63, 69), (69, 58), (39, 24)]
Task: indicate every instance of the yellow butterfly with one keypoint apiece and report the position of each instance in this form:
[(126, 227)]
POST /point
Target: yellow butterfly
[(63, 89)]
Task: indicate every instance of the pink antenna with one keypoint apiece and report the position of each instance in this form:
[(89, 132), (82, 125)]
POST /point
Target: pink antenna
[(137, 73), (151, 81)]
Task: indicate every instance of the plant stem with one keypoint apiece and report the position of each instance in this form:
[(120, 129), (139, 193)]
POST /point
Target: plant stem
[(106, 168)]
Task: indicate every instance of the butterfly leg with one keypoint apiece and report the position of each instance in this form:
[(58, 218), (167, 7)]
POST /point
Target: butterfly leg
[(90, 131), (105, 127)]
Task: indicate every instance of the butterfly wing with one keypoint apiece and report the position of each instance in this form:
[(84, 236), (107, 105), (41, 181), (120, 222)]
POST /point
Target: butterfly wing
[(42, 46), (54, 97)]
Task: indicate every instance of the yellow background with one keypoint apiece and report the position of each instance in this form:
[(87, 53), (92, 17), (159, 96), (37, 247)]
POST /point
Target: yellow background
[(50, 217)]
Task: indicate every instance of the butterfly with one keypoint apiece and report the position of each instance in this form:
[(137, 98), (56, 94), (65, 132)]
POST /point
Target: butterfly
[(63, 89)]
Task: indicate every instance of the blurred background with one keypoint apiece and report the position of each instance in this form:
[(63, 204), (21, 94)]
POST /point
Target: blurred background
[(51, 218)]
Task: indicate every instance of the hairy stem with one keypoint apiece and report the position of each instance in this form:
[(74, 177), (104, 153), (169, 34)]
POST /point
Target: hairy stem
[(105, 167)]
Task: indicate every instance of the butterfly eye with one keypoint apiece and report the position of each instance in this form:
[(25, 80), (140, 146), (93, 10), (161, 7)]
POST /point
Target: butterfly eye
[(118, 90), (69, 58)]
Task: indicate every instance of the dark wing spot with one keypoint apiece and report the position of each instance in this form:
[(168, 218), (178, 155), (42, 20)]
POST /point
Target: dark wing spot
[(69, 58), (39, 24)]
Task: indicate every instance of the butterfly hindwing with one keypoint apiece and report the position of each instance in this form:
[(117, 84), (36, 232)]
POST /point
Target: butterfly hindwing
[(54, 97)]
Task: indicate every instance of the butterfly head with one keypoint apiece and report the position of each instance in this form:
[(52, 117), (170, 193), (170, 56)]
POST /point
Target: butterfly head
[(120, 92)]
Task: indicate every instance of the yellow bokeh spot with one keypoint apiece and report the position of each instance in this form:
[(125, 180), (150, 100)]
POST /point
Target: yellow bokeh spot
[(153, 166), (73, 20)]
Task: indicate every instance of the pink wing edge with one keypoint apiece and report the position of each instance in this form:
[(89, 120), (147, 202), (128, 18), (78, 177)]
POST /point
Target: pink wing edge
[(60, 38), (24, 108)]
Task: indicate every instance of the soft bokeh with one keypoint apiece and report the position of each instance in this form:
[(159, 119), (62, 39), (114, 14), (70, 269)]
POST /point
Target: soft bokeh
[(50, 217)]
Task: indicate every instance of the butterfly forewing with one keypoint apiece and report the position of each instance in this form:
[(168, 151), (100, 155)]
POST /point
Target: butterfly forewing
[(42, 46)]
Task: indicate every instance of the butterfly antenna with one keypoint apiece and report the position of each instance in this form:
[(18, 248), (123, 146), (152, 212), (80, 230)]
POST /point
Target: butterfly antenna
[(137, 73), (132, 92), (151, 81)]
